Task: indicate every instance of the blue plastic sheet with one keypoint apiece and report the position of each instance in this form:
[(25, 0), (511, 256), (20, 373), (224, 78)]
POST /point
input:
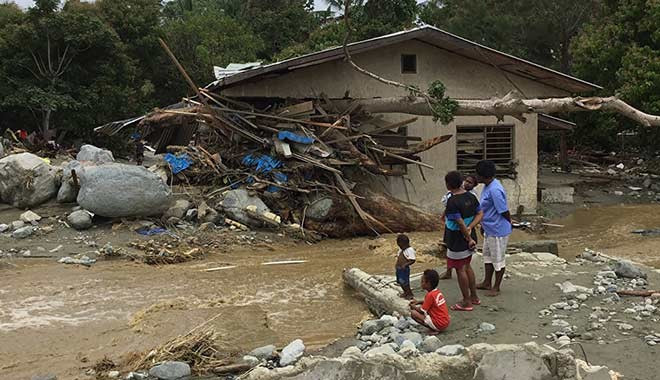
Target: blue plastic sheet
[(178, 163), (262, 163), (288, 135), (151, 231)]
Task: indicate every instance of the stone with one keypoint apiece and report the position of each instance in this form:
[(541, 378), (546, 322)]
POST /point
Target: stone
[(23, 232), (17, 224), (68, 191), (625, 326), (265, 352), (537, 246), (486, 327), (352, 352), (563, 340), (431, 344), (236, 201), (292, 352), (15, 189), (372, 326), (178, 210), (512, 364), (647, 183), (94, 154), (412, 336), (402, 324), (626, 269), (451, 350), (251, 360), (30, 217), (560, 194), (136, 376), (4, 228), (319, 209), (44, 377), (170, 370), (382, 350), (408, 349), (389, 320), (588, 336), (113, 374), (548, 257), (207, 214), (80, 220), (118, 190), (191, 215)]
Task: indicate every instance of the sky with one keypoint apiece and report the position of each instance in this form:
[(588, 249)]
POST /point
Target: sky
[(319, 4)]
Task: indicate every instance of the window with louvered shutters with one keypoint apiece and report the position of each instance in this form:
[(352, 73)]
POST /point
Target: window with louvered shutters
[(487, 142)]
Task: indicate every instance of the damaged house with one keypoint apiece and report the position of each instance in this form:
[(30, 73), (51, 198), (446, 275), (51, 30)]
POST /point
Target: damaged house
[(418, 57)]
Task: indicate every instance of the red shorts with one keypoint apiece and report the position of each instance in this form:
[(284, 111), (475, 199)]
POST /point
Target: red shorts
[(458, 264)]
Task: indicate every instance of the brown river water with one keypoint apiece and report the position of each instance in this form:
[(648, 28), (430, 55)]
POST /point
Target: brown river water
[(61, 318)]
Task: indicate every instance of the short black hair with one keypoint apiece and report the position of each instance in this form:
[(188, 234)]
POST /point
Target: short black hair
[(486, 169), (473, 176), (454, 180), (403, 239), (432, 277)]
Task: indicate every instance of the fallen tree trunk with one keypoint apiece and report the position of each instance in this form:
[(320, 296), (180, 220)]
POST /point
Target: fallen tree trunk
[(381, 294), (512, 104)]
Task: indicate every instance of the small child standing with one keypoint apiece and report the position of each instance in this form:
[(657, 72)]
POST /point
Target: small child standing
[(405, 258), (433, 311)]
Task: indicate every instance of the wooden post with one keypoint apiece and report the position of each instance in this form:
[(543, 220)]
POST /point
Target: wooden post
[(563, 152)]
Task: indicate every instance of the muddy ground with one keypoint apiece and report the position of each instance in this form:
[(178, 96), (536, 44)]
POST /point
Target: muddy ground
[(57, 318)]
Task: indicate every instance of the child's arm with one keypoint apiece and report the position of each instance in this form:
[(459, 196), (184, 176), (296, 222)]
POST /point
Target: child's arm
[(476, 221), (465, 232)]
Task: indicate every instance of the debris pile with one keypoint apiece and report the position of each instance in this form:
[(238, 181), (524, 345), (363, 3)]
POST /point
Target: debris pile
[(314, 163), (161, 253)]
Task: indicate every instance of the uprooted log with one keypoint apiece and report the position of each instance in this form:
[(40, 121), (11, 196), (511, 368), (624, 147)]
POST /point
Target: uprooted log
[(512, 104), (381, 294)]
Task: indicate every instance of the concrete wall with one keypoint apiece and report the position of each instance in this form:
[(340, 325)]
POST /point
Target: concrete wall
[(464, 78)]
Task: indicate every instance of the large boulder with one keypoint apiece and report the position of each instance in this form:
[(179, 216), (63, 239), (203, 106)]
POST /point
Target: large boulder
[(26, 180), (236, 201), (118, 190), (94, 154), (68, 192)]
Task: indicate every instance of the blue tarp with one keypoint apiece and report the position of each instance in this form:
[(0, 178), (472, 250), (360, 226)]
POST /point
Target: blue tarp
[(178, 163), (263, 163), (288, 135), (151, 231)]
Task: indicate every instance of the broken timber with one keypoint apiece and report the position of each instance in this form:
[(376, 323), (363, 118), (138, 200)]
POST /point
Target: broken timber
[(380, 293)]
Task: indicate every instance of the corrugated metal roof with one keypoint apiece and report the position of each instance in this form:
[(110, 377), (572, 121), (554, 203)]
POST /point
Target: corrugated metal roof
[(547, 122), (433, 36)]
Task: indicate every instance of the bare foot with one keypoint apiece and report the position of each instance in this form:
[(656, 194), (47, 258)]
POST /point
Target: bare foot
[(483, 286), (475, 301), (492, 293)]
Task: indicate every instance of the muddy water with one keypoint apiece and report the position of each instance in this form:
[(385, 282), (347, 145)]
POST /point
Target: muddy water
[(60, 319), (608, 229)]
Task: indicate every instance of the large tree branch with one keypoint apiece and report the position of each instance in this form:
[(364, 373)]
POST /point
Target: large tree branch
[(509, 105)]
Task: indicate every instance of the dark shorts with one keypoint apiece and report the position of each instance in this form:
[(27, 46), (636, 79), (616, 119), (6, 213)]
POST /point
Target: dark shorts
[(458, 264), (403, 276)]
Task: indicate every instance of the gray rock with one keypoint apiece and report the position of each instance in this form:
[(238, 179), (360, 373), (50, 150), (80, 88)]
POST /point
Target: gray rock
[(136, 376), (486, 327), (372, 326), (352, 352), (265, 352), (94, 154), (17, 190), (408, 349), (44, 377), (647, 183), (207, 214), (23, 232), (292, 352), (178, 210), (382, 350), (4, 228), (431, 344), (402, 324), (319, 209), (389, 319), (113, 374), (170, 371), (512, 365), (625, 326), (30, 217), (16, 224), (251, 360), (451, 350), (626, 269), (118, 190), (537, 246), (236, 201), (414, 337), (68, 192), (80, 220)]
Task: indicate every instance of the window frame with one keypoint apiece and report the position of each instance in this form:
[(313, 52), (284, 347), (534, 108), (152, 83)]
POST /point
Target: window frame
[(486, 152), (403, 60)]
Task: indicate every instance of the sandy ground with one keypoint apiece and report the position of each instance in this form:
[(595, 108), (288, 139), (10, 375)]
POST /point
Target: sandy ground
[(60, 319)]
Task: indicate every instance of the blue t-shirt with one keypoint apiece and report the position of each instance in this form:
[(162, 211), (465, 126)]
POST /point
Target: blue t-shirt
[(493, 203)]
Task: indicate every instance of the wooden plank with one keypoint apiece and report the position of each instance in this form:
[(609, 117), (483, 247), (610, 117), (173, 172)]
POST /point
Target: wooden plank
[(392, 126), (304, 108)]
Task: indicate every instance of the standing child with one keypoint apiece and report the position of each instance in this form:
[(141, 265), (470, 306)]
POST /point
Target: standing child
[(462, 215), (405, 258), (433, 311), (139, 151)]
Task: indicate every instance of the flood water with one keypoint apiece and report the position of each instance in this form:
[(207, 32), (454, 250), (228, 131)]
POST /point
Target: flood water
[(115, 307)]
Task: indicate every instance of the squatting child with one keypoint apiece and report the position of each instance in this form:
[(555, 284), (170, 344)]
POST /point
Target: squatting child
[(433, 311)]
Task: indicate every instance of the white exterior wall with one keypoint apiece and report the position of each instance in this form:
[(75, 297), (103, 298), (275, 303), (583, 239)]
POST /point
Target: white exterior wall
[(463, 77)]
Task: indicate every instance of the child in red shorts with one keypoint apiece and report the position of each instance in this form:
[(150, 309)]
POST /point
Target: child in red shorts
[(433, 311)]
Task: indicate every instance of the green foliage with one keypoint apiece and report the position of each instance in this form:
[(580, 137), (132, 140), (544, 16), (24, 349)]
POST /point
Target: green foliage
[(444, 108)]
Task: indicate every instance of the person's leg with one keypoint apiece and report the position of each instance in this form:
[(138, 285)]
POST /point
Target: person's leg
[(421, 319), (495, 291), (446, 275), (472, 285), (499, 263), (407, 291), (464, 285), (488, 265)]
